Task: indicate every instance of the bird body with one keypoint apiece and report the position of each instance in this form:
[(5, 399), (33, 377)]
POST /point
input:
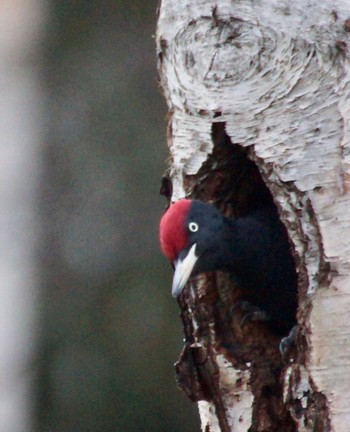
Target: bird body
[(254, 249)]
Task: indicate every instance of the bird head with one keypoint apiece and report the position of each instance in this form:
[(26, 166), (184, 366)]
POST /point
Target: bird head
[(190, 233)]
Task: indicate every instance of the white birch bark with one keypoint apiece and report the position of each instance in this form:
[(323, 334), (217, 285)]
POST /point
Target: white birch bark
[(277, 73), (20, 26)]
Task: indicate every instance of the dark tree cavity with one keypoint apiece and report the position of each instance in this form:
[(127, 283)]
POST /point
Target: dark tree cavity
[(231, 181)]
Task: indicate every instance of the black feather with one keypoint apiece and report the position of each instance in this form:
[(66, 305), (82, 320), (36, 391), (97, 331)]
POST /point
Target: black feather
[(256, 251)]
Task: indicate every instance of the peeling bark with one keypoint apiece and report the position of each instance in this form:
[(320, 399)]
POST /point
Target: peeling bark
[(258, 97)]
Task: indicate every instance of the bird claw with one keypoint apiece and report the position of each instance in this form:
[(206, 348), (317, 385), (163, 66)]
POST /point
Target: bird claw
[(253, 312), (288, 342)]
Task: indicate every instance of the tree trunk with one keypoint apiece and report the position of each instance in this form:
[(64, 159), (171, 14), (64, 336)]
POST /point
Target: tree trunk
[(21, 24), (258, 97)]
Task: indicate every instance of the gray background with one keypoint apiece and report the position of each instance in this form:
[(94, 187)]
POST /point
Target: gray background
[(110, 331)]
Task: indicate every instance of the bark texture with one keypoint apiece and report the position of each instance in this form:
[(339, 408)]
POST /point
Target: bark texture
[(258, 95)]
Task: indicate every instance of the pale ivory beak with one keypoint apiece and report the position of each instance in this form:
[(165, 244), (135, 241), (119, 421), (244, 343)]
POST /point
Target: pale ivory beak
[(183, 270)]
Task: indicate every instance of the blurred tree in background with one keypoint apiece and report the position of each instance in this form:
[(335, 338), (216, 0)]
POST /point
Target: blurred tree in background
[(110, 331)]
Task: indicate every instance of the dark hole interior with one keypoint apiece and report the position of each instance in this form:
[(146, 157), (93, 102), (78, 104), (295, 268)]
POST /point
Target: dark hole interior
[(229, 179)]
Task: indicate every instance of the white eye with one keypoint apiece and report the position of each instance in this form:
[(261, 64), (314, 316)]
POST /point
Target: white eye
[(193, 226)]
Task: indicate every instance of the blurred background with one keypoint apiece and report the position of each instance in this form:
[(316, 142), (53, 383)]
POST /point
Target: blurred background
[(109, 331)]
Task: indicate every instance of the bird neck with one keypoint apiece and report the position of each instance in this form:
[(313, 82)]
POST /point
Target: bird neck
[(229, 247), (242, 239)]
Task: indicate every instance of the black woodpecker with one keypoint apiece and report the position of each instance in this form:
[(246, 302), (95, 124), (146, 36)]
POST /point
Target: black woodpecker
[(196, 237)]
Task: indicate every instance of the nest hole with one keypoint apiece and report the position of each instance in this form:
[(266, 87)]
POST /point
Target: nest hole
[(229, 178)]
